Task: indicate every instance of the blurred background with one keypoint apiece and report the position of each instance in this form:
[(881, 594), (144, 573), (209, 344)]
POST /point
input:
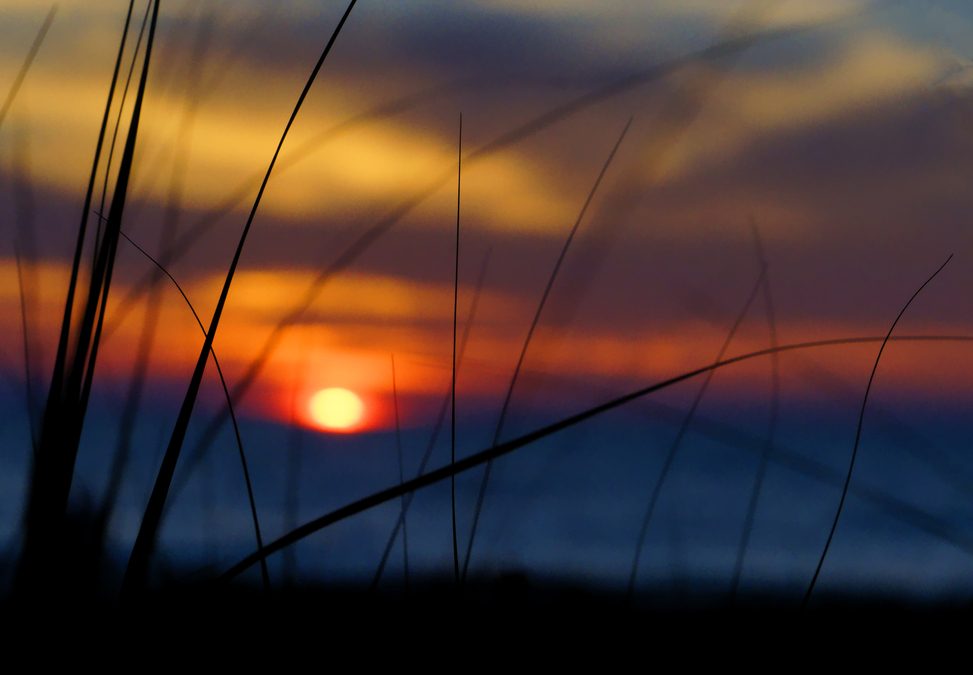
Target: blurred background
[(793, 171)]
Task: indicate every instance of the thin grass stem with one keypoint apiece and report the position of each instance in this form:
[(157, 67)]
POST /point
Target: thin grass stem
[(437, 427), (858, 433)]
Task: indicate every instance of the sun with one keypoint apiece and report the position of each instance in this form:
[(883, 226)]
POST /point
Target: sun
[(336, 408)]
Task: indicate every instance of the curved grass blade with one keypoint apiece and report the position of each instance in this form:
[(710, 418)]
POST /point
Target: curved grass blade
[(135, 574), (229, 403), (858, 433), (484, 456), (530, 333)]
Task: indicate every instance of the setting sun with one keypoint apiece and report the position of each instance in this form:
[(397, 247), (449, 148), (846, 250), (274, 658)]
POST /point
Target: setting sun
[(336, 408)]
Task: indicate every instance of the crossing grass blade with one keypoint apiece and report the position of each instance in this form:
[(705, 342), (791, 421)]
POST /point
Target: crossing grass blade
[(510, 446), (137, 570)]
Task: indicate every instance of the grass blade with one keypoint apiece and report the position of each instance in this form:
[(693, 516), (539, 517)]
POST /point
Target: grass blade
[(858, 433)]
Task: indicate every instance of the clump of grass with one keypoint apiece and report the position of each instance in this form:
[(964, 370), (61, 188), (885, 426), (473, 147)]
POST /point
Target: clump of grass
[(42, 560), (137, 570)]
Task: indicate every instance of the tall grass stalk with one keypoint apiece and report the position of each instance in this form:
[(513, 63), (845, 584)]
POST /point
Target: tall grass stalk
[(437, 427)]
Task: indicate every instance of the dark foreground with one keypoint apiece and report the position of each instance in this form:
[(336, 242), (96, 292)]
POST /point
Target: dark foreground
[(511, 608)]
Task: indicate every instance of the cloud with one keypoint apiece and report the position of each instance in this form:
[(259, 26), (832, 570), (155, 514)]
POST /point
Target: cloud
[(873, 70)]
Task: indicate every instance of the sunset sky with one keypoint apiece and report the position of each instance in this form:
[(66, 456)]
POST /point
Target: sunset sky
[(846, 143), (842, 133)]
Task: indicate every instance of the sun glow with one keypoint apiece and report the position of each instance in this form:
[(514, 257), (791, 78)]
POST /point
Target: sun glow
[(336, 408)]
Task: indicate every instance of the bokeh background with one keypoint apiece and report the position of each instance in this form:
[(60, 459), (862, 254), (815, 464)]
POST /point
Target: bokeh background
[(841, 137)]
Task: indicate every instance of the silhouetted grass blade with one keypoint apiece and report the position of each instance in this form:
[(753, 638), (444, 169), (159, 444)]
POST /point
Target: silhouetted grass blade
[(858, 433)]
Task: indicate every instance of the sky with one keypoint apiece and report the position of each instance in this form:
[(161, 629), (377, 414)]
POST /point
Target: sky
[(839, 139)]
